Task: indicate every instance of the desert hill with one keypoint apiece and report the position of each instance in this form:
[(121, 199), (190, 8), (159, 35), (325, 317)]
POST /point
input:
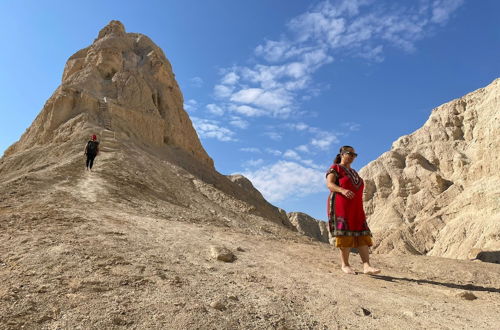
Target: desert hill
[(137, 243), (437, 191)]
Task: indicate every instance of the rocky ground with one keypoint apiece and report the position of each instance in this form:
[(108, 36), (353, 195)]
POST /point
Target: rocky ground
[(82, 250)]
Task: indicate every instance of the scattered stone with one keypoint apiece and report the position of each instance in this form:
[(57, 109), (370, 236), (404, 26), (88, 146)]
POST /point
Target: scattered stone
[(222, 254), (218, 305), (410, 313), (233, 298), (366, 312), (467, 295), (240, 249), (198, 308), (119, 321)]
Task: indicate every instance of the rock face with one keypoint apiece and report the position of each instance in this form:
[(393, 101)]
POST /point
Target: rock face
[(309, 226), (122, 82), (437, 191)]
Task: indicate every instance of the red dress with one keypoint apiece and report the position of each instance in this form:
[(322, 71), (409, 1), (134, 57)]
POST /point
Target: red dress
[(346, 217)]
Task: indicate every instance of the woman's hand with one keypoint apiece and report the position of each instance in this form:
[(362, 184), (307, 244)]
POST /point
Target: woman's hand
[(347, 193)]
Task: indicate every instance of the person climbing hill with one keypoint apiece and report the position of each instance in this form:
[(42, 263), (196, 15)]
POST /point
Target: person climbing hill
[(91, 151)]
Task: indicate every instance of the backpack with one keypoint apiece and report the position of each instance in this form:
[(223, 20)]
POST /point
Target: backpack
[(92, 148)]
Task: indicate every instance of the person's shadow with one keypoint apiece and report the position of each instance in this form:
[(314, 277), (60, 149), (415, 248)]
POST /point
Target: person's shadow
[(470, 287)]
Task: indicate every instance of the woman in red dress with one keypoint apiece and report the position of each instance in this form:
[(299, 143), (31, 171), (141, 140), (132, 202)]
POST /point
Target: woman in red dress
[(346, 217)]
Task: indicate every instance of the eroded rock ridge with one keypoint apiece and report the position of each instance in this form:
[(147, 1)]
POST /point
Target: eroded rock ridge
[(437, 191)]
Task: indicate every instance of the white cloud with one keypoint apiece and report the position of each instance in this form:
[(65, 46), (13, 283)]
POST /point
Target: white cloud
[(351, 126), (291, 155), (324, 140), (230, 78), (277, 101), (442, 9), (215, 109), (286, 179), (238, 122), (311, 163), (320, 139), (373, 53), (273, 51), (273, 88), (247, 110), (222, 91), (248, 95), (297, 126), (254, 162), (361, 27), (343, 28), (251, 149), (211, 129), (273, 152), (303, 148), (191, 105), (274, 136), (196, 82)]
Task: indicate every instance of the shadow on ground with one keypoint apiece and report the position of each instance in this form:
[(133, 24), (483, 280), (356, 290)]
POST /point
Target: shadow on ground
[(469, 287), (489, 256)]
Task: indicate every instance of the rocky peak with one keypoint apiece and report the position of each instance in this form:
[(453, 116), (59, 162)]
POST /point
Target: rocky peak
[(124, 83), (113, 28)]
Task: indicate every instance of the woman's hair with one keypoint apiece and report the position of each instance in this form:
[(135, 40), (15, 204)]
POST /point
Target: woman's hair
[(342, 149)]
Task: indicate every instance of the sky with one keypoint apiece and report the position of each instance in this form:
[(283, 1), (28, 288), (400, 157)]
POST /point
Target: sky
[(273, 87)]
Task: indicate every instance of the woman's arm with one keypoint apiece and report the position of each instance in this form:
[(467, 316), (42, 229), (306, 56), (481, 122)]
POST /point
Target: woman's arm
[(330, 183)]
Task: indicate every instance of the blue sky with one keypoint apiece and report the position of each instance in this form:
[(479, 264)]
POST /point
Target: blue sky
[(274, 88)]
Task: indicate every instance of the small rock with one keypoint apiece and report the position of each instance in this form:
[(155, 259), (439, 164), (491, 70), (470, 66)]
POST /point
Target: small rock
[(222, 253), (233, 298), (365, 311), (467, 295), (199, 308), (119, 321), (410, 313), (218, 305), (239, 248)]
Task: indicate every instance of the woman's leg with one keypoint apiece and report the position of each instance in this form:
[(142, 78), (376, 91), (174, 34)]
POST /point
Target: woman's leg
[(344, 257), (365, 258), (91, 162)]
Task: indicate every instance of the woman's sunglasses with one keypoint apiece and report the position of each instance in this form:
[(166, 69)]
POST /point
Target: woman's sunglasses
[(350, 153)]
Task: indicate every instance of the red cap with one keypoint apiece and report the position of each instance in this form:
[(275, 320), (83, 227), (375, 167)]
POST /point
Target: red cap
[(94, 137)]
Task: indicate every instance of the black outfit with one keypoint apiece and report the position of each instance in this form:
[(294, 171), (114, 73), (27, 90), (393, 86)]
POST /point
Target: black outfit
[(91, 152)]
